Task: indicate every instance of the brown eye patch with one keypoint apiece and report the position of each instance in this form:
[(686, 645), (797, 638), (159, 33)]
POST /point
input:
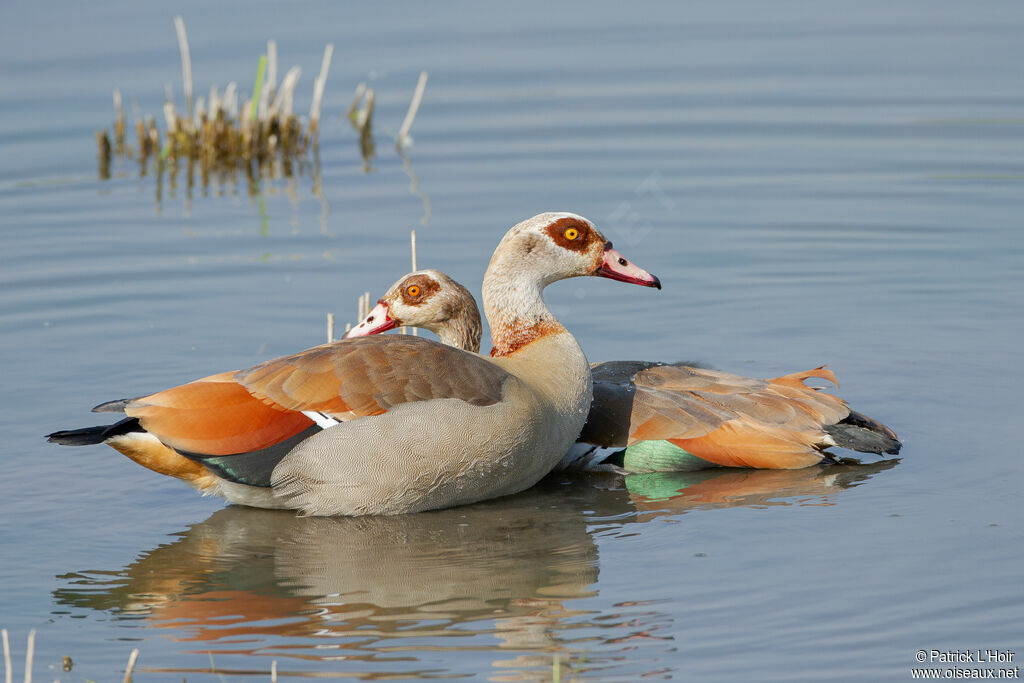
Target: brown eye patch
[(417, 289), (571, 233)]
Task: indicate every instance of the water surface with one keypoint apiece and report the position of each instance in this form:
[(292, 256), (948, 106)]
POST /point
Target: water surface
[(817, 183)]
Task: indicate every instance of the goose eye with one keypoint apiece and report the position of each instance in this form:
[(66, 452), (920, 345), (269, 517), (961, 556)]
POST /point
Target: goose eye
[(571, 234), (413, 290)]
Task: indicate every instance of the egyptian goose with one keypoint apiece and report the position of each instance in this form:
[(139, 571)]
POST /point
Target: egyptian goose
[(657, 416), (396, 424)]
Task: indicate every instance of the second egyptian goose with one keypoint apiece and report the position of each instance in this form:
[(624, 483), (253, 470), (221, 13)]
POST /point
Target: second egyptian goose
[(389, 425), (656, 416)]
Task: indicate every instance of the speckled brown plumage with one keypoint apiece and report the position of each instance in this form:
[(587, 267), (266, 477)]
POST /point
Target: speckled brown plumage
[(368, 376), (723, 418)]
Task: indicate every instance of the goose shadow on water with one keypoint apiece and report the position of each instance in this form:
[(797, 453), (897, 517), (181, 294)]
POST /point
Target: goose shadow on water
[(499, 576)]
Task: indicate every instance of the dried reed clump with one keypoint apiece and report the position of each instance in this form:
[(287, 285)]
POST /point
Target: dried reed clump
[(262, 136), (221, 134)]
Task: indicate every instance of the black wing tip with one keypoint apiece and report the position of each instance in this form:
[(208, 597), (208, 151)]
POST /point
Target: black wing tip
[(866, 437)]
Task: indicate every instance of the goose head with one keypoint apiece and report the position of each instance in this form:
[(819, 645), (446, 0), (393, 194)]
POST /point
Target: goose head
[(428, 299), (556, 245), (533, 254)]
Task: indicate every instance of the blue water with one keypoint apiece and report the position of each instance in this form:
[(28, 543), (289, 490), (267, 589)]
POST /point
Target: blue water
[(813, 182)]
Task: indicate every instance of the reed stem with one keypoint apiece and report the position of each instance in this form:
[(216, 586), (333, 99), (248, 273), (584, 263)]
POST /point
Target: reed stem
[(186, 63), (318, 87), (30, 651), (282, 105), (269, 83), (353, 109), (261, 69), (131, 665), (412, 239), (8, 672), (119, 123), (410, 116)]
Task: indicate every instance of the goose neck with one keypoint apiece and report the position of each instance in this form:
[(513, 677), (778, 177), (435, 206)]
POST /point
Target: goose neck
[(462, 331), (514, 306)]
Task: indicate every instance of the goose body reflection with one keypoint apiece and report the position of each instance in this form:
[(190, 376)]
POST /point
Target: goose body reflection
[(518, 577)]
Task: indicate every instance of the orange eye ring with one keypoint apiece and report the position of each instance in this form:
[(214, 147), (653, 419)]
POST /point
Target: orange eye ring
[(571, 234), (413, 290)]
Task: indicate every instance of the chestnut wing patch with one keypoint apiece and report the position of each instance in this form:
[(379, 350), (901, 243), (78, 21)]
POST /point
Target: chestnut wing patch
[(215, 416), (370, 375), (256, 409)]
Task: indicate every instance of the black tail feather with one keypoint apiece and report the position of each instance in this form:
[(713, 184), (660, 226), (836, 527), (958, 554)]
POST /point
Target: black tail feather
[(859, 432), (94, 435)]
